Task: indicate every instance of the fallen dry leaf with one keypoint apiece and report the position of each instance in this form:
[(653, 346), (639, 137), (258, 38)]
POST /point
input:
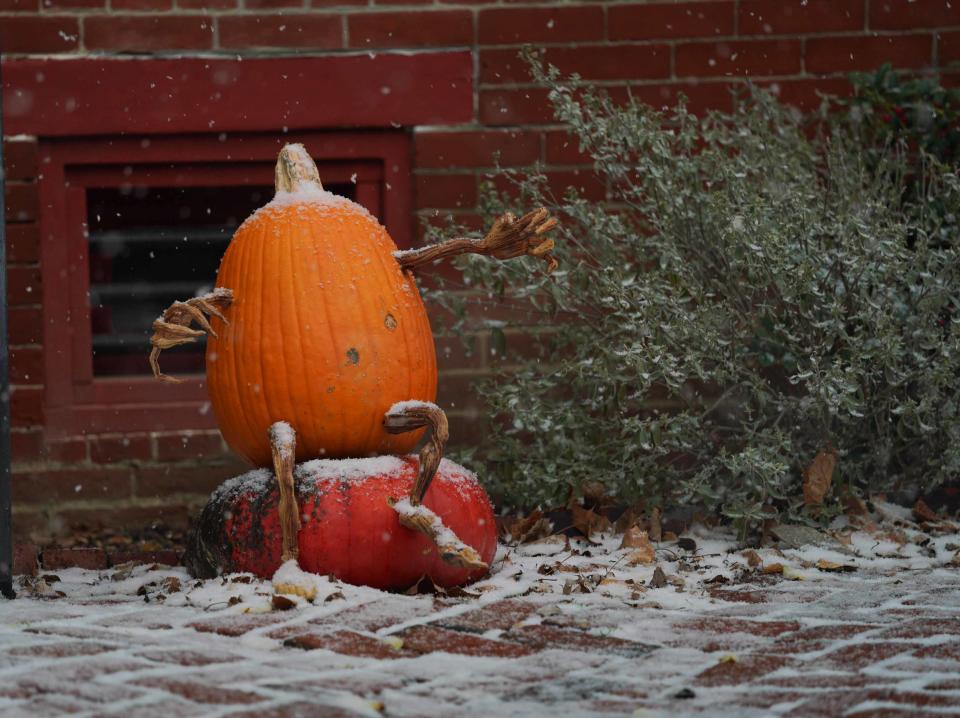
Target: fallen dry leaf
[(635, 537), (659, 579), (841, 537), (753, 558), (282, 603), (818, 477), (773, 568), (594, 494), (893, 536), (529, 528), (687, 544), (641, 556), (922, 512), (628, 518), (171, 584), (855, 506), (656, 531), (587, 521), (832, 566)]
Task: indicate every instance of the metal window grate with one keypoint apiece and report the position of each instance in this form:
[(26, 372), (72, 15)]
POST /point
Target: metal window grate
[(151, 246)]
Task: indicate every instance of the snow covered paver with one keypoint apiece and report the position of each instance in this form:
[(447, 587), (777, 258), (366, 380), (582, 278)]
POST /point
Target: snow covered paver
[(565, 628)]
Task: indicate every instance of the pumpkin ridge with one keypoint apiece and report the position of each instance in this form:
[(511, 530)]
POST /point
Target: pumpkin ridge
[(427, 352), (318, 244), (297, 398), (394, 288), (381, 364), (274, 388), (301, 290), (238, 268)]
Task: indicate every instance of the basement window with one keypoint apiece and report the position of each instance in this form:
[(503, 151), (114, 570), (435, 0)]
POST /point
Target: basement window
[(149, 247)]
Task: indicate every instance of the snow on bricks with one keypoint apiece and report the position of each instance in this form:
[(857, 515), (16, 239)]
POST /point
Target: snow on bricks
[(559, 626)]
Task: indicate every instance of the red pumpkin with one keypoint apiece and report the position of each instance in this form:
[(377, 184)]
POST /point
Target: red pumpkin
[(348, 529)]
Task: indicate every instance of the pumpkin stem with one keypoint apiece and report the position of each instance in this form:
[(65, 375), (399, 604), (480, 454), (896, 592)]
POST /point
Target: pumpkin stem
[(508, 238), (295, 170), (406, 416), (172, 328), (283, 446)]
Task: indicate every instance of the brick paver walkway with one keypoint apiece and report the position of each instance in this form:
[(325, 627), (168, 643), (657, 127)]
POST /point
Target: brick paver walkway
[(556, 630)]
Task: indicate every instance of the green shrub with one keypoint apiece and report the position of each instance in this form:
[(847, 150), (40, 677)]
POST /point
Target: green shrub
[(757, 288)]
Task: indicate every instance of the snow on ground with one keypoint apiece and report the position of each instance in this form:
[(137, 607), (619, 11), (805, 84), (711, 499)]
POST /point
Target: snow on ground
[(869, 622)]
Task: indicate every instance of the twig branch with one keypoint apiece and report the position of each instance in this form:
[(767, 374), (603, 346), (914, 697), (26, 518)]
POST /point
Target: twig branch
[(508, 238)]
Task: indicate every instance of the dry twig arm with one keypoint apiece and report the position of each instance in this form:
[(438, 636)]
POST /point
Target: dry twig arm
[(508, 238), (173, 328)]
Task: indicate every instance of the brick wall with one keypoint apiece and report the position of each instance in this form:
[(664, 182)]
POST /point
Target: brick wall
[(652, 49)]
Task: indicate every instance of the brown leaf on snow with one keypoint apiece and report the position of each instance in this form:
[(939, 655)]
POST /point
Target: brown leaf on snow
[(855, 506), (841, 537), (818, 476), (629, 518), (595, 494), (893, 536), (529, 528), (656, 530), (642, 555), (687, 544), (922, 512), (955, 561), (282, 603), (587, 521), (753, 558), (659, 579), (171, 584), (635, 537), (773, 568), (834, 567)]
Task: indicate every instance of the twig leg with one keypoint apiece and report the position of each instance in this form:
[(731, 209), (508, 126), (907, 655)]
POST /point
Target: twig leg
[(408, 416), (283, 446)]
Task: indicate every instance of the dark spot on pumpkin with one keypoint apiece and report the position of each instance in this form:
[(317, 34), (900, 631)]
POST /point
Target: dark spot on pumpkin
[(331, 389), (353, 356), (389, 322)]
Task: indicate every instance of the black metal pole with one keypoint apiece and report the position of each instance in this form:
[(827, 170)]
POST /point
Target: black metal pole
[(6, 523)]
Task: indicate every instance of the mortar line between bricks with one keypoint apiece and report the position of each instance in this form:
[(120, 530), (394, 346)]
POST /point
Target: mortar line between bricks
[(450, 612), (301, 620), (191, 674)]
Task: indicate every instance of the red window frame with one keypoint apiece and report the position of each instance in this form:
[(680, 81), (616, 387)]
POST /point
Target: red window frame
[(77, 402)]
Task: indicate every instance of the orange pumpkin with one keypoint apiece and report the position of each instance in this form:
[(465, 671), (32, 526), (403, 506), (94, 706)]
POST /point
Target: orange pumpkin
[(326, 331)]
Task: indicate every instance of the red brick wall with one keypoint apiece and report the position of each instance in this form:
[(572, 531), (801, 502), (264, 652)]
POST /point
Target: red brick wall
[(654, 49)]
